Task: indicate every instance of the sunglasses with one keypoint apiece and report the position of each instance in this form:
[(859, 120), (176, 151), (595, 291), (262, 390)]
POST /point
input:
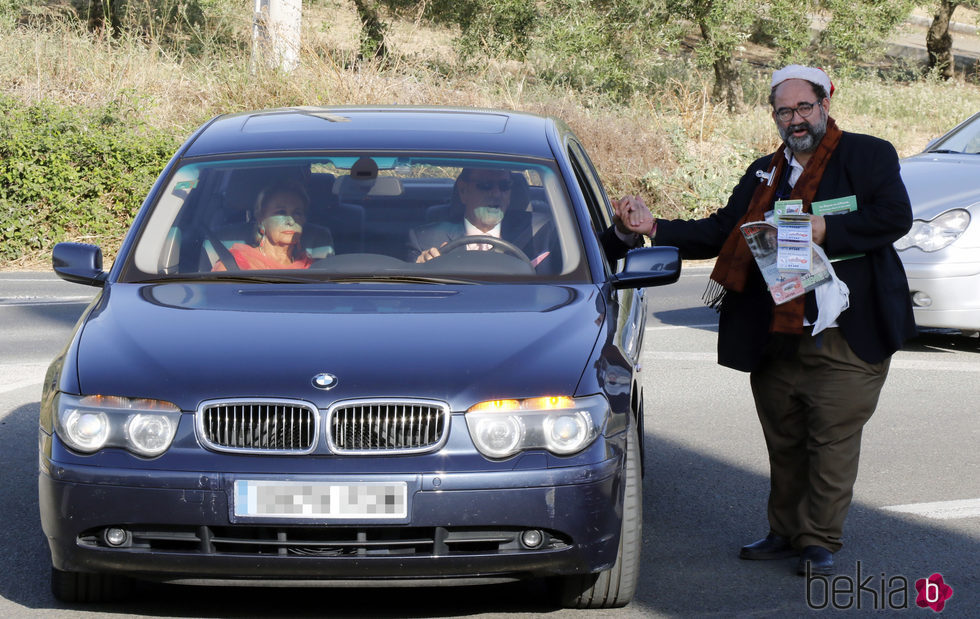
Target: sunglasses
[(502, 184)]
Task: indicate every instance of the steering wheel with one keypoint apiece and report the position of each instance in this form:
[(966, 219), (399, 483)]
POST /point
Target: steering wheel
[(482, 239)]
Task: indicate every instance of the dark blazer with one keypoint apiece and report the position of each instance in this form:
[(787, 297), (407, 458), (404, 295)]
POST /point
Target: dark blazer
[(879, 318), (516, 227)]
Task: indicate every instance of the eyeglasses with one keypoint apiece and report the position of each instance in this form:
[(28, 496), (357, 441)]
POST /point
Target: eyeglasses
[(502, 184), (785, 114)]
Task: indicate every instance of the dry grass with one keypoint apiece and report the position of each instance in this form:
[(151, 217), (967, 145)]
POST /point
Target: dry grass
[(677, 148)]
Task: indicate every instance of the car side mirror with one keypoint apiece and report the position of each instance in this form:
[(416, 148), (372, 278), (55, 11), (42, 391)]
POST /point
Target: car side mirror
[(79, 263), (649, 266)]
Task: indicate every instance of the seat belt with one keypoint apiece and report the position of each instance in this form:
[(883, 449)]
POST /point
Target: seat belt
[(226, 257)]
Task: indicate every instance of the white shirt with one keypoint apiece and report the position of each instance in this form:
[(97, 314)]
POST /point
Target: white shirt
[(795, 167), (795, 170), (472, 230)]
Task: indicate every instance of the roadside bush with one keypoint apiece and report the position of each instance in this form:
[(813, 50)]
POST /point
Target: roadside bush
[(70, 175)]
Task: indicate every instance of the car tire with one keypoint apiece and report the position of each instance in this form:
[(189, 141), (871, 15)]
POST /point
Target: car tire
[(614, 588), (74, 587)]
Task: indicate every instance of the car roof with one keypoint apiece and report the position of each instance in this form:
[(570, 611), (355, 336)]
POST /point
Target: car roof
[(391, 128)]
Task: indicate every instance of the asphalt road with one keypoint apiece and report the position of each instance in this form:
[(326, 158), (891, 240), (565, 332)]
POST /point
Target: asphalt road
[(916, 507)]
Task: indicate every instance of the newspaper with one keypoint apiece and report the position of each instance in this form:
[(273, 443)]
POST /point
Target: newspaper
[(763, 239)]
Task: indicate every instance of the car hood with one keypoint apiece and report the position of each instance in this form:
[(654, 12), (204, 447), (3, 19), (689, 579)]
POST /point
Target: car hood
[(939, 182), (192, 342)]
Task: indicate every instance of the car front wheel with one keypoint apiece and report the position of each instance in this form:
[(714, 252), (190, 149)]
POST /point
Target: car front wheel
[(614, 588)]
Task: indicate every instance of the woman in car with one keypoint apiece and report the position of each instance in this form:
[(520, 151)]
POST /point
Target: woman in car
[(280, 214)]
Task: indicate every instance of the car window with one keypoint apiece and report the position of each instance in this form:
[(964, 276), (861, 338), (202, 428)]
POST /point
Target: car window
[(588, 180), (965, 140), (361, 216)]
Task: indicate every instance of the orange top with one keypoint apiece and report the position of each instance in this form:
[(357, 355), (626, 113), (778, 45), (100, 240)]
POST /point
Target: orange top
[(252, 258)]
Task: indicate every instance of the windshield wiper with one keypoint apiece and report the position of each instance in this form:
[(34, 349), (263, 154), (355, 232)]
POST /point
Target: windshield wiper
[(947, 151), (398, 279), (227, 276)]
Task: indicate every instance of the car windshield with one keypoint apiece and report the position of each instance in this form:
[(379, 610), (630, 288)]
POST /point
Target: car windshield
[(397, 217), (965, 140)]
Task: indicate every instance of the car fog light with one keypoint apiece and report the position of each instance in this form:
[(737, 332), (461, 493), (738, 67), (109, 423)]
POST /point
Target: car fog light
[(921, 299), (532, 538), (116, 536)]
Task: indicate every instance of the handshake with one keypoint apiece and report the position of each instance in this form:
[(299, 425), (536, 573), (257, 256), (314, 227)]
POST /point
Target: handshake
[(633, 216)]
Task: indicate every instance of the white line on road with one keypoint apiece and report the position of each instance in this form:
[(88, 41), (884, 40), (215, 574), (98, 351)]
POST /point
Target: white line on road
[(27, 279), (941, 510), (18, 376), (44, 301)]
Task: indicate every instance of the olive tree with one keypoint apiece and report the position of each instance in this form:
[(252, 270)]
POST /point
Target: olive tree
[(939, 42), (859, 29), (724, 25)]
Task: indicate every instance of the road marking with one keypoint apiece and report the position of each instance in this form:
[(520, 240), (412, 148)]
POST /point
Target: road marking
[(41, 301), (14, 377), (941, 510)]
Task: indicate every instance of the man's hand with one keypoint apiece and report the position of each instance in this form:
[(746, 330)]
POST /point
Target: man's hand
[(819, 228), (632, 215), (429, 254)]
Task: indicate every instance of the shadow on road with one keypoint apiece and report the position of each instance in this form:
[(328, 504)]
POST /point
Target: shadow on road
[(943, 340), (697, 511), (697, 317)]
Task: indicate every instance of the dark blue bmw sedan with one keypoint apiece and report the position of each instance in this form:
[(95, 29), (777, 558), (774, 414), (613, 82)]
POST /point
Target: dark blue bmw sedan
[(350, 346)]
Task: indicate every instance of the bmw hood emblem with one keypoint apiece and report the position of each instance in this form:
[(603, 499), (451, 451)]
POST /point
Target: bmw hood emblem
[(324, 381)]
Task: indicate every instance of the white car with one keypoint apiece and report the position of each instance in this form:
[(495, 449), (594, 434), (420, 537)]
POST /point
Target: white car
[(941, 252)]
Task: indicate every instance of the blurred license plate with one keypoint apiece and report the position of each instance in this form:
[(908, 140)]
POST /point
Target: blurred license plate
[(287, 499)]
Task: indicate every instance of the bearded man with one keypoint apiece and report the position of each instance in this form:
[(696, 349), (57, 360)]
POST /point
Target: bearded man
[(813, 392)]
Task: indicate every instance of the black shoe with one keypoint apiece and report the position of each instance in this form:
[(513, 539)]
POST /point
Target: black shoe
[(816, 560), (772, 547)]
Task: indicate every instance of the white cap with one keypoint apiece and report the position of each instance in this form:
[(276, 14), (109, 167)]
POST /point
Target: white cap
[(799, 72)]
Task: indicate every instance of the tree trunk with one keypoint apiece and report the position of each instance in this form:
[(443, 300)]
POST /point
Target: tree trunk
[(104, 14), (939, 43), (372, 30), (728, 86), (277, 33)]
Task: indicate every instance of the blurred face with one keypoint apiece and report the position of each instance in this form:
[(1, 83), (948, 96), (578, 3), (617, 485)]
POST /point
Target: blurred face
[(800, 131), (282, 217), (486, 195)]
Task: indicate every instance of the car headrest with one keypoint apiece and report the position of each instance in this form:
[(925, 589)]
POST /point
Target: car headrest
[(346, 186)]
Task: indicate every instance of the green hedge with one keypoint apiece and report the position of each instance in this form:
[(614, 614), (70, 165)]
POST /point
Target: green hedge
[(67, 174)]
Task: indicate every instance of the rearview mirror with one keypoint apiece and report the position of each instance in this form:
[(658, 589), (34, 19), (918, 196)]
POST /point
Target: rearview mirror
[(79, 263)]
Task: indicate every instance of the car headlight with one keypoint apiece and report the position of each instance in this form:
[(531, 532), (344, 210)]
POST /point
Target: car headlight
[(141, 426), (936, 233), (561, 425)]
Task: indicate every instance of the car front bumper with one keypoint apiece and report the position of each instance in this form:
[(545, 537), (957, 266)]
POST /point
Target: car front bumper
[(953, 293), (461, 527)]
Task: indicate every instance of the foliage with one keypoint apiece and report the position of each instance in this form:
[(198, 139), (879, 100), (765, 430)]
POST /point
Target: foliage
[(614, 46), (10, 12), (491, 26), (724, 26), (66, 174), (858, 29), (784, 26), (183, 27)]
